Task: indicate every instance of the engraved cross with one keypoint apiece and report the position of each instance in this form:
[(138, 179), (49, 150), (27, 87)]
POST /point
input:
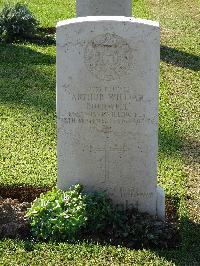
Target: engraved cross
[(106, 149)]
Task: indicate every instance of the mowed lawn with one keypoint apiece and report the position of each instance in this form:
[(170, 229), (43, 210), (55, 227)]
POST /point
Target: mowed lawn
[(28, 132)]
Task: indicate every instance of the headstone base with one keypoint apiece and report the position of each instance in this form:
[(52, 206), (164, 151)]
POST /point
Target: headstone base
[(160, 203)]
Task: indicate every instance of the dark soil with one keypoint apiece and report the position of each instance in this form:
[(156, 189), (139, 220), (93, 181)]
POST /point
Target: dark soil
[(14, 202), (22, 193), (13, 222)]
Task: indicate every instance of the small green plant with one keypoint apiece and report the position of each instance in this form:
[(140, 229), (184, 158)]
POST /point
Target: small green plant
[(58, 215), (16, 22), (99, 210)]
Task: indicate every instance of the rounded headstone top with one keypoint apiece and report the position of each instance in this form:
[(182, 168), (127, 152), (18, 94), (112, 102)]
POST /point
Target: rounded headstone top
[(97, 19)]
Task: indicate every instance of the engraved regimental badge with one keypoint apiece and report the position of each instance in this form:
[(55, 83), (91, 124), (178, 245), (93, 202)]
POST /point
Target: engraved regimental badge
[(108, 56)]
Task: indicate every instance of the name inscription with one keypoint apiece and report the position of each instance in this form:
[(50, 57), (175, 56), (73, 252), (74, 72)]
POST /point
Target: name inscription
[(108, 105)]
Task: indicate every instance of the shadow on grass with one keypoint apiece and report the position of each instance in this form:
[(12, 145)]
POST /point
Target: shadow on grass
[(44, 38), (169, 141), (188, 253), (19, 54), (172, 141), (180, 58), (27, 77)]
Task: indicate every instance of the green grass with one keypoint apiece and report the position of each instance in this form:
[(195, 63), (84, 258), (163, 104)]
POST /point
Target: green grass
[(14, 253), (28, 132), (49, 12)]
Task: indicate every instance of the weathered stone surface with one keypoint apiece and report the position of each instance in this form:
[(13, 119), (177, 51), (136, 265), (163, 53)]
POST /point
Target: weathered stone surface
[(103, 8), (107, 108)]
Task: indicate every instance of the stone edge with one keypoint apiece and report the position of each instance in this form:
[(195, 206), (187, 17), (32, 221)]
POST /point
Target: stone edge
[(107, 18), (160, 203)]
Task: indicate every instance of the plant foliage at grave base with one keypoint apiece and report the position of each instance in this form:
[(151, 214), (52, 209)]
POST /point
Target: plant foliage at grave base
[(16, 22), (59, 215), (100, 212)]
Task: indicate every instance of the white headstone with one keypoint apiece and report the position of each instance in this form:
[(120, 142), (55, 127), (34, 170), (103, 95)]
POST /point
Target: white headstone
[(107, 108), (103, 8)]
